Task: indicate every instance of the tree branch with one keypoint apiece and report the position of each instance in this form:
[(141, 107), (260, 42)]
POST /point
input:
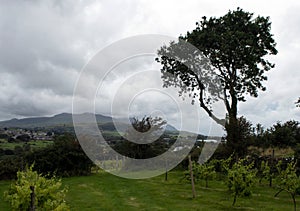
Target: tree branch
[(201, 100), (208, 111), (226, 101)]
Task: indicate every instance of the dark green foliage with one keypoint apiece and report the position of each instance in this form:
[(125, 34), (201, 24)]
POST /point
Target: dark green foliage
[(3, 136), (9, 167), (11, 140), (8, 152), (280, 135), (222, 152), (243, 132), (285, 135), (65, 158), (236, 44), (297, 158), (23, 138), (18, 150), (143, 130)]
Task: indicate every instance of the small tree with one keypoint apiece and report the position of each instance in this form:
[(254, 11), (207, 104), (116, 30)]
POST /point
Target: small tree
[(240, 179), (265, 172), (204, 171), (225, 164), (33, 191), (288, 181), (142, 140)]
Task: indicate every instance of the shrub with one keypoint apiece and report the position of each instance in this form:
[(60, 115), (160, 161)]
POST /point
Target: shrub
[(48, 194), (288, 180), (240, 179)]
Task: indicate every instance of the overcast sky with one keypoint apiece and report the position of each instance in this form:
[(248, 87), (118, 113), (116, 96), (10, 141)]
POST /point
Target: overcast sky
[(45, 44)]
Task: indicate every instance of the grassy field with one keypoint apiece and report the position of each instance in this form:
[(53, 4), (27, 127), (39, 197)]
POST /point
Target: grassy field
[(278, 152), (33, 144), (107, 192)]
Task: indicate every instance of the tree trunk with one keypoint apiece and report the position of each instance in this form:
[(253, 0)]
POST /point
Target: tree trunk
[(166, 176), (192, 176), (234, 200), (166, 167), (271, 168), (232, 135), (32, 199), (294, 201), (232, 124), (278, 192)]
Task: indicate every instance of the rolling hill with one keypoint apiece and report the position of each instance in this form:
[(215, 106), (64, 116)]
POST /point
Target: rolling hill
[(105, 122), (56, 120)]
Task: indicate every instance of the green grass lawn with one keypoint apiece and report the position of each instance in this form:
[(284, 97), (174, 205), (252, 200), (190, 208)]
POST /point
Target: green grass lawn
[(107, 192)]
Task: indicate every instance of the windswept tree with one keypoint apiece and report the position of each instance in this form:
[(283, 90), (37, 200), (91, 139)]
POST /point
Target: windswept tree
[(232, 53), (143, 138)]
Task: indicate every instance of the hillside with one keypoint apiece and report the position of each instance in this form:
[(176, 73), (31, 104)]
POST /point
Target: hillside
[(59, 119), (105, 122)]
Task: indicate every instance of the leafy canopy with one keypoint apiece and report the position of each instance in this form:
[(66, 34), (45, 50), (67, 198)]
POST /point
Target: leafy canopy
[(230, 64)]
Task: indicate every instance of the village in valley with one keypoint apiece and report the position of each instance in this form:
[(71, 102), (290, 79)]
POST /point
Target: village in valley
[(20, 134)]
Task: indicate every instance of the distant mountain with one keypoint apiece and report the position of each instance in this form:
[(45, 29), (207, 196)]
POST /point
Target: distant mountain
[(171, 128), (59, 119), (105, 122)]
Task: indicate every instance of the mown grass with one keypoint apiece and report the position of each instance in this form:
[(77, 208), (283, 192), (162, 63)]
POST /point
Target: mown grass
[(107, 192)]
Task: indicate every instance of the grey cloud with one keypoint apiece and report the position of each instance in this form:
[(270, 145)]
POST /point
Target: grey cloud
[(44, 45)]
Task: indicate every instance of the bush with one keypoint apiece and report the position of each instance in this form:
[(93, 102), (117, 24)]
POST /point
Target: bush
[(288, 181), (240, 179), (48, 194), (204, 171)]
